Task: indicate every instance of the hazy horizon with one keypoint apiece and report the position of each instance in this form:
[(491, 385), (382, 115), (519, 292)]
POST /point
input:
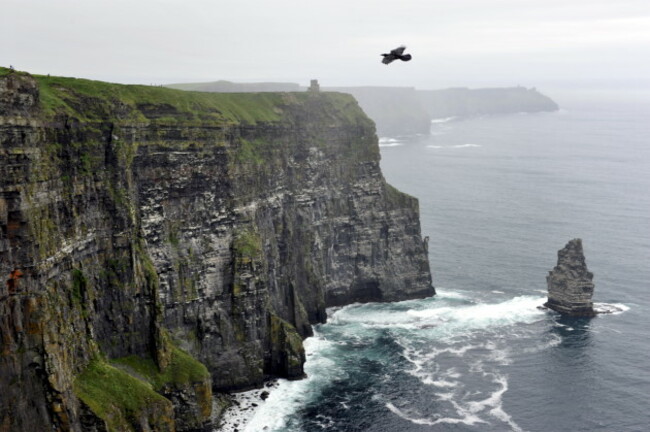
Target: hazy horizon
[(466, 43)]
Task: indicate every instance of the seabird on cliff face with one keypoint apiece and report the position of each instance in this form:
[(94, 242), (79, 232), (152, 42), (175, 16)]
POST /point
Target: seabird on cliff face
[(397, 53)]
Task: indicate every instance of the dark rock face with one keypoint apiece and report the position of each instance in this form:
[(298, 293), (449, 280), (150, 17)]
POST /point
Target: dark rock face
[(570, 286), (283, 218), (18, 94), (133, 227)]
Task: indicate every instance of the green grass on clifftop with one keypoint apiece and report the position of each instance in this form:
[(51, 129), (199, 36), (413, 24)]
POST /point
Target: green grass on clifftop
[(90, 100), (96, 98)]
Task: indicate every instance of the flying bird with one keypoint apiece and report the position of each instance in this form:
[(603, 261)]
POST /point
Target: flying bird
[(397, 53)]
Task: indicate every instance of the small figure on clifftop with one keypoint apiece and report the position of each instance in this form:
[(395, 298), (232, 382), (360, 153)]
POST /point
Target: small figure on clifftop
[(396, 54)]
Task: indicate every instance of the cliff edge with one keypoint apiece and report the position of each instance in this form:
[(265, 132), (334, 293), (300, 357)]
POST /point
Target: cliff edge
[(158, 245)]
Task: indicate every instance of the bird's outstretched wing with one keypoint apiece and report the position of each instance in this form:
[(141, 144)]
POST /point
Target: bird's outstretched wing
[(397, 52)]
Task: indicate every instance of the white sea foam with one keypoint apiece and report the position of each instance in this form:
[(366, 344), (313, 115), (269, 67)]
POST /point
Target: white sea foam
[(467, 418), (469, 412), (244, 408), (467, 145), (288, 396), (371, 316), (611, 308), (495, 402), (389, 142), (456, 146), (442, 120), (421, 421), (521, 309), (441, 293), (462, 328), (554, 340), (440, 383), (499, 413), (438, 315), (516, 310)]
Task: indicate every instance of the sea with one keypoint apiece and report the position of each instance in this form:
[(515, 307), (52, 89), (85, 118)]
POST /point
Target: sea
[(499, 196)]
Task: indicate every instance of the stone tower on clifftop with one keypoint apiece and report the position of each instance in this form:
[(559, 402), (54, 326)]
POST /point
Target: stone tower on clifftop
[(314, 87), (570, 285)]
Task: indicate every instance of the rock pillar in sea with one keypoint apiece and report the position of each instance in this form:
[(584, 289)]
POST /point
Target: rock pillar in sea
[(570, 285)]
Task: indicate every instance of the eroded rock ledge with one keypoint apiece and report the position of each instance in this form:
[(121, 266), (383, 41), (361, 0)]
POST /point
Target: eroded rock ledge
[(158, 244)]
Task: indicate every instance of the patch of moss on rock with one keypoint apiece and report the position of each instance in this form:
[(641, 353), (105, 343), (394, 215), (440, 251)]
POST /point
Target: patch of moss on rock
[(185, 381), (287, 351), (123, 402), (183, 369), (247, 245)]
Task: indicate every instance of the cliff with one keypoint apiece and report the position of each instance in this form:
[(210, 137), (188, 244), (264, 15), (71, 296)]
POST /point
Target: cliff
[(158, 245), (464, 102)]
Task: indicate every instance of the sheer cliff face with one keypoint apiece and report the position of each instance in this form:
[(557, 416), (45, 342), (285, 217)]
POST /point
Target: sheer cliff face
[(140, 225)]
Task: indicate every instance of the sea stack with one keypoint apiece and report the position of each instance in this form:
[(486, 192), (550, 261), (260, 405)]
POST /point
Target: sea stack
[(570, 285)]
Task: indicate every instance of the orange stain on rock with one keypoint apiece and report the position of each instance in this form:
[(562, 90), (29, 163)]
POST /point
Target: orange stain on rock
[(12, 282)]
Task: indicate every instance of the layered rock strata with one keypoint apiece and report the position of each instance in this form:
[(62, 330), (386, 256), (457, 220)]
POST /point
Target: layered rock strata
[(158, 244), (570, 286)]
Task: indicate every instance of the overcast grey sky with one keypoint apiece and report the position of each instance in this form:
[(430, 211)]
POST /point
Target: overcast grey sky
[(453, 42)]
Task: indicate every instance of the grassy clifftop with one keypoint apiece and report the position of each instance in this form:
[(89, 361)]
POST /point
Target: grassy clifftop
[(98, 100)]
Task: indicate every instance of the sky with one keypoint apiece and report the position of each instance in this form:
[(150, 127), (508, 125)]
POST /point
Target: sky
[(469, 43)]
